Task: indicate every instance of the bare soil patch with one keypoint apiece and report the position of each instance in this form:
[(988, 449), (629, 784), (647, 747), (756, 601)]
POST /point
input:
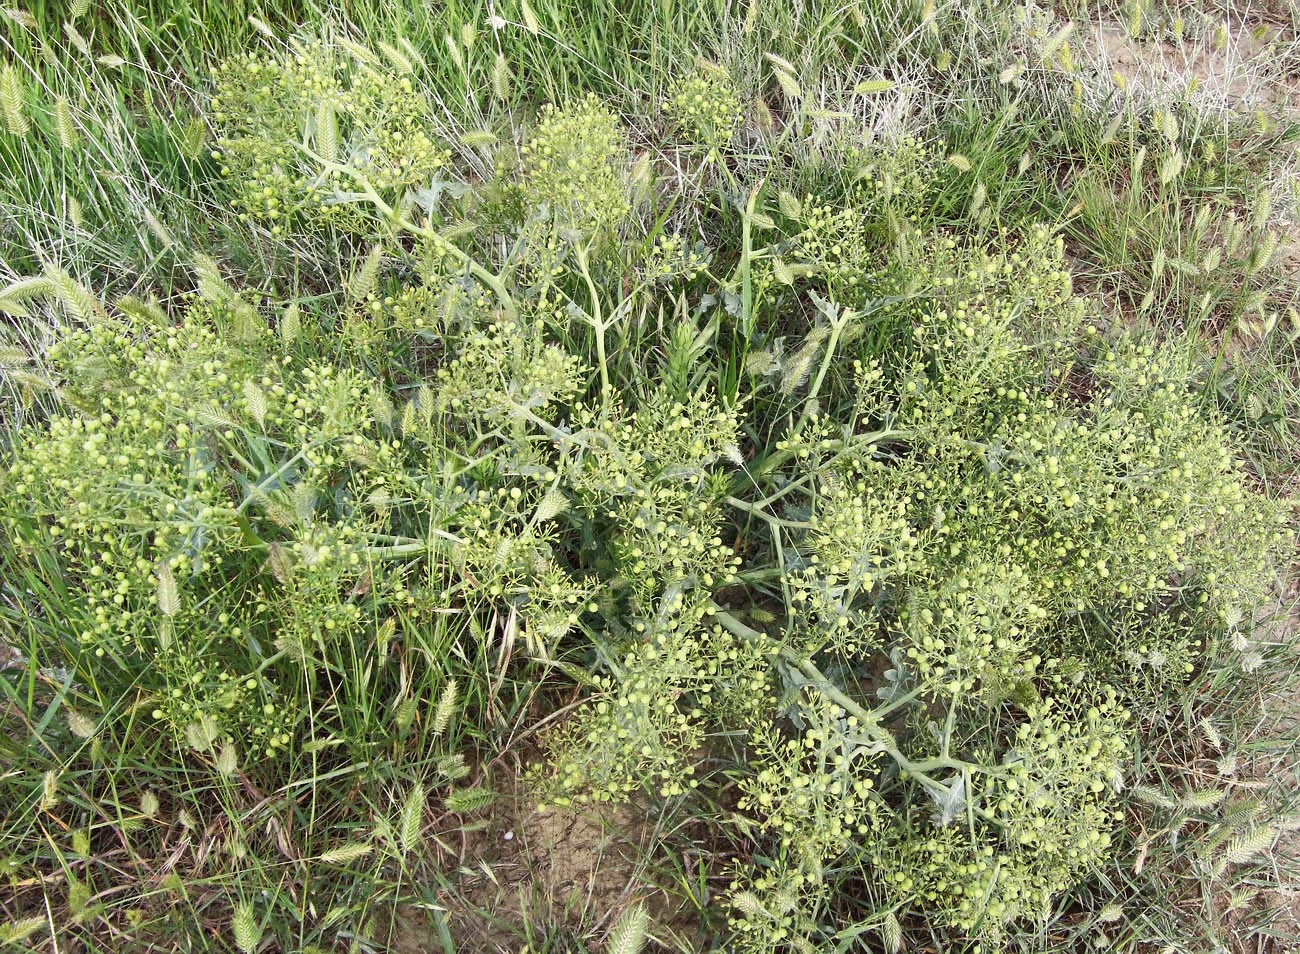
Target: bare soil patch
[(558, 872)]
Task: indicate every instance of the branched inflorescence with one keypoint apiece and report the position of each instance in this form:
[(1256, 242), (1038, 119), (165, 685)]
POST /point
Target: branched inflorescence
[(949, 463)]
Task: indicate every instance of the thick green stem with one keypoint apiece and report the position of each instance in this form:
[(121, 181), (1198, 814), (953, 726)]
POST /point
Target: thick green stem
[(869, 720), (423, 231), (758, 511), (774, 460)]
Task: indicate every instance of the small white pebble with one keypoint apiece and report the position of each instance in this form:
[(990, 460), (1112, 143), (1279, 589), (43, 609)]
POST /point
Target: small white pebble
[(508, 835)]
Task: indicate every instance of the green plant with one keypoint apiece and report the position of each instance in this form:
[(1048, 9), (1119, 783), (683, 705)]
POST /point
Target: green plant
[(705, 106), (295, 133), (802, 505)]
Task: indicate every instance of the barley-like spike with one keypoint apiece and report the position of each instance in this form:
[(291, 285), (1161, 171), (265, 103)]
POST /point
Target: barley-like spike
[(452, 767), (468, 800), (790, 206), (1170, 168), (359, 52), (1110, 913), (255, 398), (291, 323), (64, 125), (346, 854), (1261, 253), (551, 505), (327, 132), (365, 280), (245, 928), (168, 599), (1169, 125), (501, 80), (76, 38), (1200, 799), (1213, 257), (789, 85), (11, 101), (80, 725), (405, 714), (800, 365), (412, 53), (79, 303), (411, 826), (1248, 845), (629, 932), (1056, 40), (397, 57), (530, 18), (455, 51), (1263, 208), (446, 707), (891, 933), (262, 27), (748, 904), (227, 760), (15, 932), (1152, 796)]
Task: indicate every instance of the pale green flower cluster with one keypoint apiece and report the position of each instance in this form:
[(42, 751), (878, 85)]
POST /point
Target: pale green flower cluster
[(298, 135), (1042, 816), (226, 514), (572, 164), (1011, 479), (671, 259), (705, 106)]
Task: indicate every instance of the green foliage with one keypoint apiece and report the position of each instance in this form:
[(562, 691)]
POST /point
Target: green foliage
[(865, 542), (571, 166), (297, 134), (705, 107)]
